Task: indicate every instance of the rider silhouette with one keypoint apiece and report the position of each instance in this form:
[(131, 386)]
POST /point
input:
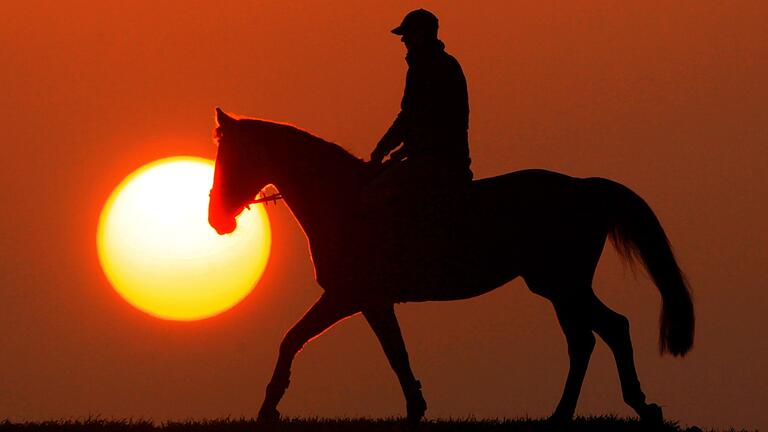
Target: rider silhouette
[(434, 117), (412, 205)]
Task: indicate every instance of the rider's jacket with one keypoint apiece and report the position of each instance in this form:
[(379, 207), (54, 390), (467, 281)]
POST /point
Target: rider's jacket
[(434, 116)]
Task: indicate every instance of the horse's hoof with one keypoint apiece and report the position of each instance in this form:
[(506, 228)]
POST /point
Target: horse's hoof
[(415, 404), (416, 409), (651, 414), (559, 419), (268, 416)]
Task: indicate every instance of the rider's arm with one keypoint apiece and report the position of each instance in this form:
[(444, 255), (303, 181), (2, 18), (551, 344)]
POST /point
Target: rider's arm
[(397, 132), (391, 139)]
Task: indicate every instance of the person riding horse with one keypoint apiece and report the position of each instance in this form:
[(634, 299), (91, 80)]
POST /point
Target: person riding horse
[(413, 201), (434, 117), (545, 227)]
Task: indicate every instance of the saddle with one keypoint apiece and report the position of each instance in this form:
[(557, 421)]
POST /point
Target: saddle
[(416, 230)]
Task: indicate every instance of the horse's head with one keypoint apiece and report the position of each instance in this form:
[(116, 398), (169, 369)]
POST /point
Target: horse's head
[(235, 180)]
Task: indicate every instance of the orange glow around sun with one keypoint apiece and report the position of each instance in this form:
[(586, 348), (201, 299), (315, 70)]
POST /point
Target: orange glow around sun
[(160, 254)]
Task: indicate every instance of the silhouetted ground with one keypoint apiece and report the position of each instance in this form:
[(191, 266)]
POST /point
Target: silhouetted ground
[(581, 424)]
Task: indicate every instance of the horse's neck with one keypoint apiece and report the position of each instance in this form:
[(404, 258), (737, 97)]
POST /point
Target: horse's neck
[(319, 182)]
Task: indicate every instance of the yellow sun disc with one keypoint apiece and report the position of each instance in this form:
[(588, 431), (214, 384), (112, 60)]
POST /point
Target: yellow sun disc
[(160, 254)]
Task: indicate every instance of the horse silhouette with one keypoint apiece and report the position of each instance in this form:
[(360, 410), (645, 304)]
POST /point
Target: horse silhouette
[(545, 227)]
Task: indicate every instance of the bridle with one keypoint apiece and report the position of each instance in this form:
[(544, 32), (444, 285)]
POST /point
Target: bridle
[(269, 198), (262, 199)]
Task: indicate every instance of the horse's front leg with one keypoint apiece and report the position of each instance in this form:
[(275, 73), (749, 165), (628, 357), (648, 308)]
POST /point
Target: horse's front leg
[(384, 323), (322, 315)]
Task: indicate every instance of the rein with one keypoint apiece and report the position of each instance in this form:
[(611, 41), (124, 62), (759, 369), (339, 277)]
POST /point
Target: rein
[(269, 198)]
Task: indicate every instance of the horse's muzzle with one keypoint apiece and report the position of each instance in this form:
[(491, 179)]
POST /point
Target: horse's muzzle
[(221, 230), (223, 224)]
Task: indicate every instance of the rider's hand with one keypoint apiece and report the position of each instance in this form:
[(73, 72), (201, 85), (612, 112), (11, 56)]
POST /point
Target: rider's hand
[(398, 155), (377, 157)]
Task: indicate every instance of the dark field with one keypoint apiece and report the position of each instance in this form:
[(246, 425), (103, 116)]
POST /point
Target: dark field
[(581, 424)]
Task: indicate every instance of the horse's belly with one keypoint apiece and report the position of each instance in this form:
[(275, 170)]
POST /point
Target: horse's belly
[(462, 279)]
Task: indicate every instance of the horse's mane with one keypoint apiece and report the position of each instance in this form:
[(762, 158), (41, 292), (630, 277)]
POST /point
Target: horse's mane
[(323, 147)]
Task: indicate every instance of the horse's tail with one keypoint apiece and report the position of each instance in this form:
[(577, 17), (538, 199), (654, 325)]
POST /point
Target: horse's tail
[(637, 234)]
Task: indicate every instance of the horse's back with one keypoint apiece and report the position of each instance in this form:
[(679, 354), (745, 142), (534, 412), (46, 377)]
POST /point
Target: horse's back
[(501, 225), (511, 221), (520, 184), (521, 197), (485, 246)]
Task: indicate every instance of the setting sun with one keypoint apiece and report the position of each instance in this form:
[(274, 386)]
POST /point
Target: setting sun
[(160, 254)]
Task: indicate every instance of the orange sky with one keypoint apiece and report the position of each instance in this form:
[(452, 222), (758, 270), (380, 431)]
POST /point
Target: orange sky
[(668, 98)]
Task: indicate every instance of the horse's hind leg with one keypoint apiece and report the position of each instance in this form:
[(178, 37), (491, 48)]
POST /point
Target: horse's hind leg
[(322, 315), (613, 328), (573, 316), (383, 321)]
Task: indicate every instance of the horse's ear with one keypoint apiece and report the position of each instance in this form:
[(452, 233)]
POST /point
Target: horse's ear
[(222, 119)]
